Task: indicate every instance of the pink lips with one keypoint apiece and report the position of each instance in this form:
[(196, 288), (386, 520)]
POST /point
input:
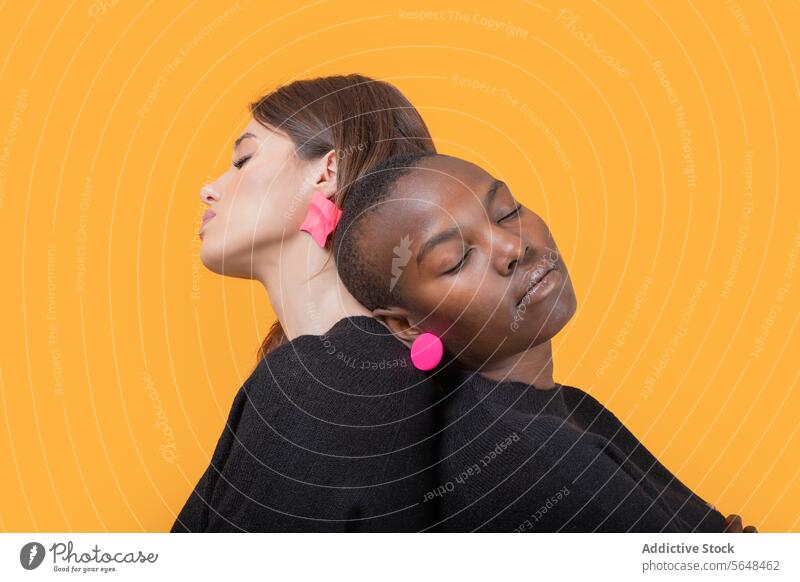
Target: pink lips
[(209, 214)]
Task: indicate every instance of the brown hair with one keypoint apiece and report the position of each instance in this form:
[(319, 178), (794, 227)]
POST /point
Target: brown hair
[(364, 120)]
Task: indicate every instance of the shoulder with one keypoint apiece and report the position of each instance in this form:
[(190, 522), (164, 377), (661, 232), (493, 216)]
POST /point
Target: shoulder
[(575, 397), (352, 375), (547, 436), (357, 355)]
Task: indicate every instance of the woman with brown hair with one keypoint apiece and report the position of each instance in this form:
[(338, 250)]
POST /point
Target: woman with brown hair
[(334, 430)]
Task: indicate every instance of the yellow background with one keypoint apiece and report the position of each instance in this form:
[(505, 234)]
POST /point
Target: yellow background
[(121, 353)]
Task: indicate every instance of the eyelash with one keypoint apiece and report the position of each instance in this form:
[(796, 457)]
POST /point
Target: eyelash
[(241, 161), (463, 261), (460, 265), (512, 213)]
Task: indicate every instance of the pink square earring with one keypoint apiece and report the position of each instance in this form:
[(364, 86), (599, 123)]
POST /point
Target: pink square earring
[(321, 218)]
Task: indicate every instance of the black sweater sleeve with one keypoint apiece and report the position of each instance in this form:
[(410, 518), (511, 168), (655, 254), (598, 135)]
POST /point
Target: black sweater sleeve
[(552, 477), (584, 488), (655, 478)]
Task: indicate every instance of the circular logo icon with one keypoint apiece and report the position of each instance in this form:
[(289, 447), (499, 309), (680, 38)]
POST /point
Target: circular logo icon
[(31, 555)]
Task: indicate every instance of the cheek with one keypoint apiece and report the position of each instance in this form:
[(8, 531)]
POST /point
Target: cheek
[(266, 203), (462, 304), (283, 200), (246, 193), (427, 301), (482, 309), (246, 212)]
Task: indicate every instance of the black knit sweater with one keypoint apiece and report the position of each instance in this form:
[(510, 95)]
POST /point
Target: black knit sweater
[(340, 433), (329, 433), (519, 458)]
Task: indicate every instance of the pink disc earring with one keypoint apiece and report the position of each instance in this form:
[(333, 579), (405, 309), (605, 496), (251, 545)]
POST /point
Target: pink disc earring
[(426, 351), (321, 218)]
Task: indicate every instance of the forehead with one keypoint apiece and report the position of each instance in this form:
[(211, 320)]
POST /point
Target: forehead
[(428, 199), (441, 179), (433, 193), (265, 137), (254, 126)]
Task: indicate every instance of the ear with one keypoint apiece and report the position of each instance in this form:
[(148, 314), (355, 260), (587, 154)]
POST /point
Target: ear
[(397, 320), (325, 174)]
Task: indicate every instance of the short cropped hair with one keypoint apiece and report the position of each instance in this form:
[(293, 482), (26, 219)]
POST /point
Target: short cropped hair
[(364, 277)]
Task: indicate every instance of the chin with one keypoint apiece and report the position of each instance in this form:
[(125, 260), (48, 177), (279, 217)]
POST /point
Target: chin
[(568, 306), (532, 331), (562, 313), (237, 269), (211, 257)]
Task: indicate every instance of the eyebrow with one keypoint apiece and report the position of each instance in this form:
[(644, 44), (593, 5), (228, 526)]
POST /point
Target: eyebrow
[(443, 236), (242, 137), (451, 232), (488, 198)]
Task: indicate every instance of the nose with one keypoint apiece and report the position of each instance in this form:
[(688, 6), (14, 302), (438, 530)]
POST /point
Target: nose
[(509, 251), (209, 195)]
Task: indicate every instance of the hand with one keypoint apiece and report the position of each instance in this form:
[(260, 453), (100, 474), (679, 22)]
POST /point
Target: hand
[(733, 524)]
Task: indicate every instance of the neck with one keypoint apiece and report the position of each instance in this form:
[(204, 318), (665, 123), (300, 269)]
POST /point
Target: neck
[(533, 366), (306, 293)]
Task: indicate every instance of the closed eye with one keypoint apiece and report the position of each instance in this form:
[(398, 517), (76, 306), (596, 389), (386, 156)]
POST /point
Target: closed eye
[(512, 213), (460, 264), (241, 161)]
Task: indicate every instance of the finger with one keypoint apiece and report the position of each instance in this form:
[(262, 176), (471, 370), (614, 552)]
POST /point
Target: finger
[(733, 524), (750, 529)]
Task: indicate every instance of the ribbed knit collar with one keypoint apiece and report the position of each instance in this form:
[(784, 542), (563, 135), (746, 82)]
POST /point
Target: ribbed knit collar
[(467, 388), (510, 394)]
